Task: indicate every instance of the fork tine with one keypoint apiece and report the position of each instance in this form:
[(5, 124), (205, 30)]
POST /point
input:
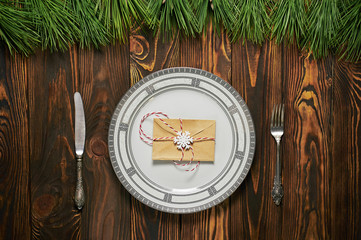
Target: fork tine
[(277, 115), (282, 114), (273, 116)]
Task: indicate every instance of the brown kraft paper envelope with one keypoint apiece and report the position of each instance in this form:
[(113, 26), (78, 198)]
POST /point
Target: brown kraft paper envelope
[(167, 150)]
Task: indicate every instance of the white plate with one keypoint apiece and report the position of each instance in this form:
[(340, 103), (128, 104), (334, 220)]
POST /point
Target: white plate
[(185, 93)]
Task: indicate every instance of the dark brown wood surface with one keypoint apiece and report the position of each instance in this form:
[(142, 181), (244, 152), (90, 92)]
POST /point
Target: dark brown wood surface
[(321, 148), (15, 204)]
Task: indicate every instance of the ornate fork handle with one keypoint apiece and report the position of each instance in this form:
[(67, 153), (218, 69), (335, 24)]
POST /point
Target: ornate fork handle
[(277, 191), (79, 191)]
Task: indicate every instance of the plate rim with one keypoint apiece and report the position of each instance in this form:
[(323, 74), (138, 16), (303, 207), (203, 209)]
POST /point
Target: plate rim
[(211, 77)]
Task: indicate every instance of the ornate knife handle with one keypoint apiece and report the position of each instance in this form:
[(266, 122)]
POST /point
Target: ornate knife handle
[(79, 191), (277, 191)]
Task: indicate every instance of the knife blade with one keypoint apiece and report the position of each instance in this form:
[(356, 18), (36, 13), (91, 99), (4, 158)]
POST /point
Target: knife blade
[(79, 148)]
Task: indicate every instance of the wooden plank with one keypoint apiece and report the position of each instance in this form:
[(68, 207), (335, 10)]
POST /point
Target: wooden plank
[(14, 148), (345, 177), (51, 134), (211, 53), (149, 54), (308, 93), (102, 77), (257, 76)]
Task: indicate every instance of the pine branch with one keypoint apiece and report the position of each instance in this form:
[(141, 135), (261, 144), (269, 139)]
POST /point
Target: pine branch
[(168, 15), (315, 25), (220, 12), (289, 21), (91, 29), (253, 22), (348, 36), (138, 9), (16, 28), (118, 16), (54, 22), (324, 17), (111, 17)]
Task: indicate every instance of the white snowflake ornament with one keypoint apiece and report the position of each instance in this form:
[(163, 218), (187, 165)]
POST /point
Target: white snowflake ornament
[(183, 140)]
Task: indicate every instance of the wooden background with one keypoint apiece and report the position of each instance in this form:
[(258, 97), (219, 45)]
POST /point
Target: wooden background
[(321, 146)]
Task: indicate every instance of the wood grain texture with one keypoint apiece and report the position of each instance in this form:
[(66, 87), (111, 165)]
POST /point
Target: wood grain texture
[(345, 179), (101, 80), (257, 76), (149, 54), (308, 100), (211, 53), (51, 137), (14, 148), (320, 147)]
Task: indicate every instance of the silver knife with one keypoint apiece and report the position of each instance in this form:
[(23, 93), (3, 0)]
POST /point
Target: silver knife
[(79, 148)]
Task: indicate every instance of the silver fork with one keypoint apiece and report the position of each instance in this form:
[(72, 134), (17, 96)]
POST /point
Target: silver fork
[(277, 132)]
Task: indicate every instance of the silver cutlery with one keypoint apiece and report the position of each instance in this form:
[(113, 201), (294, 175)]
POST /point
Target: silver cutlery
[(277, 123), (79, 149)]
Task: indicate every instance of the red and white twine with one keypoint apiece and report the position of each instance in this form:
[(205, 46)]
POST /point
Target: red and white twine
[(147, 139)]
